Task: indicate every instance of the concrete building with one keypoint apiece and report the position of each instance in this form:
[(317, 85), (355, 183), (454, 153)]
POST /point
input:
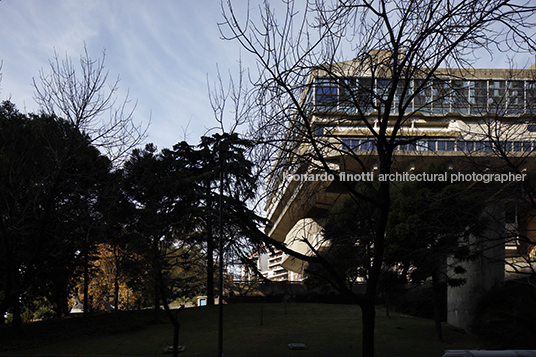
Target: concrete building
[(269, 265), (459, 117)]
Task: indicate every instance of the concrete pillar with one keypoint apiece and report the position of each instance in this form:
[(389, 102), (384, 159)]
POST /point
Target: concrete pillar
[(482, 274)]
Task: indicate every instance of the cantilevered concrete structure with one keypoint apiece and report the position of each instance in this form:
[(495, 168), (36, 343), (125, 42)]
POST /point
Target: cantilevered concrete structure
[(459, 117)]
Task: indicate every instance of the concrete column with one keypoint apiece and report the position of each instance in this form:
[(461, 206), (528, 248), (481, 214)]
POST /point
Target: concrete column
[(482, 274)]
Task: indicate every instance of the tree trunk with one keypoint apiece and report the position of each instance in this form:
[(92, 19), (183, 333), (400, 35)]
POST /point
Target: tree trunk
[(174, 319), (116, 280), (11, 291), (368, 304), (65, 302), (17, 319), (387, 303), (86, 284), (116, 290), (156, 275), (436, 287), (3, 310), (368, 312), (57, 296), (210, 263), (176, 330), (156, 302), (56, 305)]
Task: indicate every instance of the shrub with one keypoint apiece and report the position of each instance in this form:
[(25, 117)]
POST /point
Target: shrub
[(506, 317), (419, 301)]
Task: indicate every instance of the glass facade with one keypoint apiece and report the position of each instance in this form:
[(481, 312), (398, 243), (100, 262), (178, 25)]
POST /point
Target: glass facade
[(366, 144), (437, 96)]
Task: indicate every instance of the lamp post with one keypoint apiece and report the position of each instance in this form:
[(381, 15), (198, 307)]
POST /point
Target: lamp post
[(220, 257)]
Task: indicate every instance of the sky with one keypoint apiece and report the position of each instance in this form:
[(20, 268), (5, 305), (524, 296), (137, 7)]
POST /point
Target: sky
[(165, 52)]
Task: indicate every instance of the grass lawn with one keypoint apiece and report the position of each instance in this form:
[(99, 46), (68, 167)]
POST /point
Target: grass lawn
[(327, 330)]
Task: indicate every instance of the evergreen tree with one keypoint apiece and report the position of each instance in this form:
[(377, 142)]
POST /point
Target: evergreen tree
[(51, 177)]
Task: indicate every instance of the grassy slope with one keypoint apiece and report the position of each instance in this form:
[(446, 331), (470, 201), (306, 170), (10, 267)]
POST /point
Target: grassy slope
[(327, 330)]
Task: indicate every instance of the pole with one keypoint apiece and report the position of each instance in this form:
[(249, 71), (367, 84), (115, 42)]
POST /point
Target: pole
[(86, 278), (220, 305)]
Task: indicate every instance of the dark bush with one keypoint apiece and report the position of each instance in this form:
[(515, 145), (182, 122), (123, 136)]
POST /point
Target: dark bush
[(419, 301), (506, 317)]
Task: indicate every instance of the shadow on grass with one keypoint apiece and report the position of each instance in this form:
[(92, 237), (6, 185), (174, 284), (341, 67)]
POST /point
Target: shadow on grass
[(327, 330)]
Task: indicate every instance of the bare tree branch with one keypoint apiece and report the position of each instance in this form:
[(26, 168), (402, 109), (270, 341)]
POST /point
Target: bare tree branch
[(87, 99)]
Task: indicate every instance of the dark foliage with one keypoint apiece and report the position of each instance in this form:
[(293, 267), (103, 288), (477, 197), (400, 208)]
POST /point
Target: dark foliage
[(51, 179), (506, 316)]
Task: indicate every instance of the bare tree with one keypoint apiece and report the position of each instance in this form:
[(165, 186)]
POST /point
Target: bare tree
[(230, 100), (86, 98), (372, 63)]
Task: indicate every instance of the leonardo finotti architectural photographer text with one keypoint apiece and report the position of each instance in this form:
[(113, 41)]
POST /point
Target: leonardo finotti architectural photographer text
[(406, 176)]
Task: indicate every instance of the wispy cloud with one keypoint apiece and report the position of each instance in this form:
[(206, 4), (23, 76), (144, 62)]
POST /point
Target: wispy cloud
[(163, 52)]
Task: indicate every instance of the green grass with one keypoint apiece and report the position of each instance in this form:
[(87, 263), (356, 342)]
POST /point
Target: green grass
[(327, 330)]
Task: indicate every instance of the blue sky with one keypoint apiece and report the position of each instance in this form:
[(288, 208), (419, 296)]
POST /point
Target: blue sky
[(164, 52)]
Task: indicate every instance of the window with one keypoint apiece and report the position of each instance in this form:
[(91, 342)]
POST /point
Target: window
[(441, 96), (488, 146), (517, 145), (383, 87), (423, 99), (357, 144), (460, 96), (460, 145), (347, 92), (437, 96), (367, 145), (506, 146), (350, 144), (382, 92), (478, 97), (365, 92), (527, 146), (469, 146), (497, 96), (402, 98), (326, 94), (516, 97), (531, 97), (422, 145), (444, 145)]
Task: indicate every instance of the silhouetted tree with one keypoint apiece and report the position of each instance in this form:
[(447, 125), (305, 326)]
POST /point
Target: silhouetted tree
[(52, 177), (222, 156)]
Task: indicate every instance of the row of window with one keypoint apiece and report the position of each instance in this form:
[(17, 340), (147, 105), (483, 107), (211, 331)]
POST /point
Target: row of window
[(445, 145), (438, 96)]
